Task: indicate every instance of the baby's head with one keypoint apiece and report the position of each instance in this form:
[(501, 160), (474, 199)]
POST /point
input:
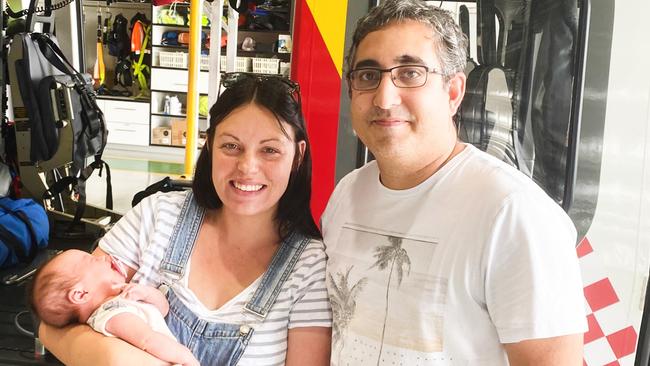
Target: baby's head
[(71, 285)]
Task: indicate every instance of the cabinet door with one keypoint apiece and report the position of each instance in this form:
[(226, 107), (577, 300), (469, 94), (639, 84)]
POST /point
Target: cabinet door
[(122, 111), (127, 122), (176, 80), (128, 133)]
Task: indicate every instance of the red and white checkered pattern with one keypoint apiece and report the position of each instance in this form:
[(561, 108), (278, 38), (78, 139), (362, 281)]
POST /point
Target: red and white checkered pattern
[(607, 343)]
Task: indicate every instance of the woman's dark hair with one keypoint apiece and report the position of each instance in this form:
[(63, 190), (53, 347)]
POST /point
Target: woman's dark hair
[(277, 96)]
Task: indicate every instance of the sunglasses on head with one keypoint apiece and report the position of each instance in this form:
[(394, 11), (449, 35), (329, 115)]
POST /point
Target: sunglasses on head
[(231, 79)]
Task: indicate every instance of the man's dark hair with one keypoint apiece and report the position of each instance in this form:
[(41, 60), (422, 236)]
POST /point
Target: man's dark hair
[(293, 208), (451, 43)]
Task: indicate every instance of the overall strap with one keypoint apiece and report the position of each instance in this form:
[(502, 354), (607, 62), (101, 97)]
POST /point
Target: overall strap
[(278, 272), (183, 237)]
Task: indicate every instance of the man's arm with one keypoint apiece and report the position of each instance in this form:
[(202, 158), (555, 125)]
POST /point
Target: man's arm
[(131, 328), (309, 346), (81, 345), (556, 351)]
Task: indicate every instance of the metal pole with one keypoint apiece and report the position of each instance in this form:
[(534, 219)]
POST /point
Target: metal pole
[(196, 9)]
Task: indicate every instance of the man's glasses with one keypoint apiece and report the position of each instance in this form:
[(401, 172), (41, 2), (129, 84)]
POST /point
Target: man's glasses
[(231, 79), (403, 76)]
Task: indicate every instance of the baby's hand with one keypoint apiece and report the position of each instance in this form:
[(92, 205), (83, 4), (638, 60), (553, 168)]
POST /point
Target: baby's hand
[(135, 291), (188, 358)]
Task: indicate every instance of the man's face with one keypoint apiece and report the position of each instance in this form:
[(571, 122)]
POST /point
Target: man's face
[(412, 126)]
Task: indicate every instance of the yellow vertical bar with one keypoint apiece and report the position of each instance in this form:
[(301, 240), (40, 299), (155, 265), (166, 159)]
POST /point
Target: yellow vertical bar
[(191, 146)]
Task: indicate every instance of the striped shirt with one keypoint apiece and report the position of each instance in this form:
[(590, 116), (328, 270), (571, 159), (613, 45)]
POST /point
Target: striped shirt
[(141, 238)]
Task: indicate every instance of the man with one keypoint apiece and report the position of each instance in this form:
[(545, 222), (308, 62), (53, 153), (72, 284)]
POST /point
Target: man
[(440, 254)]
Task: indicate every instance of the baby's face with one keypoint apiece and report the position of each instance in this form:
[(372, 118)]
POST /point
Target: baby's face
[(97, 270)]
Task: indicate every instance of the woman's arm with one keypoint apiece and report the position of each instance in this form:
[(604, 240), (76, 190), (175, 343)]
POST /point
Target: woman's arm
[(131, 328), (81, 345), (129, 271), (309, 346)]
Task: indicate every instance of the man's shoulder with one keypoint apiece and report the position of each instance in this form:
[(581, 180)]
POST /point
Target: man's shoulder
[(489, 172), (365, 173), (362, 177), (491, 183)]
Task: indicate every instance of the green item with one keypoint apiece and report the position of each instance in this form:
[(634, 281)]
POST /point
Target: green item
[(141, 71), (169, 15), (203, 105)]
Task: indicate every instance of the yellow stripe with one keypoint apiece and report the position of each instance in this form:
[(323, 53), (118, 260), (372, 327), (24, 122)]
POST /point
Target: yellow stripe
[(330, 16)]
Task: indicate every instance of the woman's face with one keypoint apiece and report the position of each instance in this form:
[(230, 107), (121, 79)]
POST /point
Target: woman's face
[(252, 160)]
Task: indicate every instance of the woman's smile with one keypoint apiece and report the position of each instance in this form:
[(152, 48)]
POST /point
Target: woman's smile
[(247, 188)]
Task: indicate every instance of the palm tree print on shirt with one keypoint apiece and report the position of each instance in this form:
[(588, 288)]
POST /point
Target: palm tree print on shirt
[(344, 303), (397, 258)]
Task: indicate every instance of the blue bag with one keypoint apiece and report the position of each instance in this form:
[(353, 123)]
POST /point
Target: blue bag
[(24, 229)]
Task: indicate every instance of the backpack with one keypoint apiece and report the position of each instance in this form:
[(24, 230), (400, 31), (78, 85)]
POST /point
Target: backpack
[(118, 40), (55, 95), (123, 74), (24, 229)]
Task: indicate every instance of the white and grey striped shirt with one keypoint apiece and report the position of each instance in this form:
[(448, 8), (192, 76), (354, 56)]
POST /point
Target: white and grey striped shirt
[(141, 237)]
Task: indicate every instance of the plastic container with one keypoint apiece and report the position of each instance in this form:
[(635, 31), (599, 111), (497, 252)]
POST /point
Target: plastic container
[(172, 59), (266, 65), (243, 64)]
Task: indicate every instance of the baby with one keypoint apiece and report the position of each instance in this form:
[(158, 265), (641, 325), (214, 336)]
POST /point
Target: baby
[(77, 287)]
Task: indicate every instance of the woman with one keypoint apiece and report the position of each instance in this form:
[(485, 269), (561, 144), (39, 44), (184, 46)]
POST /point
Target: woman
[(240, 253)]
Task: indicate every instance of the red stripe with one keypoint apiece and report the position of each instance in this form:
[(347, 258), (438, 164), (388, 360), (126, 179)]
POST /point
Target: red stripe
[(584, 248), (594, 331), (623, 342), (600, 294), (313, 69)]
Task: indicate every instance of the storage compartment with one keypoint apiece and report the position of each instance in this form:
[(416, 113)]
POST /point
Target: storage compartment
[(161, 136), (176, 80), (265, 65), (243, 64), (128, 133), (172, 59)]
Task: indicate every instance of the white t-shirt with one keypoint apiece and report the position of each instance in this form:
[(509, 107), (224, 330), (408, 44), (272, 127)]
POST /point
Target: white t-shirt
[(475, 256), (118, 305), (140, 239)]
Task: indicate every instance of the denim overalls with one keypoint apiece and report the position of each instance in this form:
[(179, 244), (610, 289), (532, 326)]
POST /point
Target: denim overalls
[(220, 343)]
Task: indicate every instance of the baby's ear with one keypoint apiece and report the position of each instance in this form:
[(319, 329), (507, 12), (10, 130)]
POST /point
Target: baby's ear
[(77, 295)]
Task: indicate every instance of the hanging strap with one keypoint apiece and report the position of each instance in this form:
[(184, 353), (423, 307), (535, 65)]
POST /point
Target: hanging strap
[(91, 115), (139, 66), (36, 9), (80, 183), (92, 123)]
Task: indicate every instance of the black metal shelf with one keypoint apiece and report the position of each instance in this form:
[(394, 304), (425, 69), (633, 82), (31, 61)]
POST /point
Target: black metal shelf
[(175, 68), (244, 30), (177, 26), (174, 115), (175, 146), (177, 47), (173, 91)]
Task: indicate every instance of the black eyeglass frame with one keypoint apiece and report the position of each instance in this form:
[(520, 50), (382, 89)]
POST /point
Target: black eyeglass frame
[(429, 70)]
